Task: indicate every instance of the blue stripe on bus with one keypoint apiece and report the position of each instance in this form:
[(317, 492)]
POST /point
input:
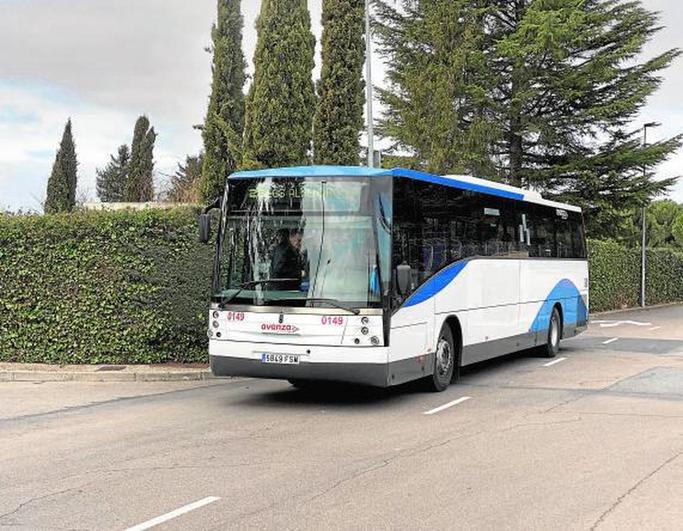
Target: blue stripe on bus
[(359, 171), (435, 284), (574, 310)]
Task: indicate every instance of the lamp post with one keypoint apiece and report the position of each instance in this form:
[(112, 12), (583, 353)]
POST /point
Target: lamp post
[(643, 255), (368, 85)]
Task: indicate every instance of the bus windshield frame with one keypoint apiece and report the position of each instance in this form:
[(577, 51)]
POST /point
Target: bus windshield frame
[(305, 242)]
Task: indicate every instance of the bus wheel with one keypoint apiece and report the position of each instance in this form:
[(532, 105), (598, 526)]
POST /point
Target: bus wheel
[(552, 346), (444, 361)]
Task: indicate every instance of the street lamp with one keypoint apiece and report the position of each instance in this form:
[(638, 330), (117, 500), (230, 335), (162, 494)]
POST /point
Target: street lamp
[(368, 85), (643, 251)]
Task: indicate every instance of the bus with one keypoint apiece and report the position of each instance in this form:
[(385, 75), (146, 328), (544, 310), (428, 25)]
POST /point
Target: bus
[(380, 277)]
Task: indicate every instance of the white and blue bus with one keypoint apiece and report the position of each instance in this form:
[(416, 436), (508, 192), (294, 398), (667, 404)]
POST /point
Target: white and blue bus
[(380, 277)]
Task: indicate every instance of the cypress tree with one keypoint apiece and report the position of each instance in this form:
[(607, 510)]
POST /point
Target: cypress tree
[(61, 186), (339, 113), (224, 123), (184, 185), (281, 102), (111, 181), (140, 184)]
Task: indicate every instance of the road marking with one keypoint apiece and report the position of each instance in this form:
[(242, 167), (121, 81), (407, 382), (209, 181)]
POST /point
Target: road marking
[(173, 514), (446, 406), (554, 362), (655, 328), (613, 324), (610, 341)]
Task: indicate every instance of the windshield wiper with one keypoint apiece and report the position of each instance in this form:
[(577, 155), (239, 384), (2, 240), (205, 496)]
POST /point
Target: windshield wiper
[(253, 283), (331, 302)]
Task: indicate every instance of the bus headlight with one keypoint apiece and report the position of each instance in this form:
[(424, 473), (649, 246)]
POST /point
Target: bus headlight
[(365, 320), (216, 315), (374, 340), (364, 331), (215, 324)]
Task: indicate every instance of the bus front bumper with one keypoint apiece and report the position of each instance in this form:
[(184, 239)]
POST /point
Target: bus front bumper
[(363, 365), (373, 374)]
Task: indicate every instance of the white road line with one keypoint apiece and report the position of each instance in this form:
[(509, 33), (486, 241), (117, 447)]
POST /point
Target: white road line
[(655, 328), (610, 341), (614, 324), (173, 514), (554, 362), (446, 406)]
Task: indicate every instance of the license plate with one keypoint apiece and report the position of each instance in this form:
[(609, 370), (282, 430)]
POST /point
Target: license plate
[(281, 359)]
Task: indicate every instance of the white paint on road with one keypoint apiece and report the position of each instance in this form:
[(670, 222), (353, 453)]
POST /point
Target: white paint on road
[(614, 324), (655, 328), (446, 406), (554, 362), (173, 514), (610, 341)]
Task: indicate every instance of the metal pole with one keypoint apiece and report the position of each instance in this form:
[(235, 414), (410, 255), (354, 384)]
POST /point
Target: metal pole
[(643, 257), (643, 252), (643, 243), (368, 86)]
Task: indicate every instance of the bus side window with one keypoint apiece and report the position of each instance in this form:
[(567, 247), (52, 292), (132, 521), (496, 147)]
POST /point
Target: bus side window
[(577, 235), (563, 231), (541, 237)]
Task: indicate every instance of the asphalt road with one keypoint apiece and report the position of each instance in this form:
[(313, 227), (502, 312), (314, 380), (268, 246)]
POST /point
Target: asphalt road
[(592, 441)]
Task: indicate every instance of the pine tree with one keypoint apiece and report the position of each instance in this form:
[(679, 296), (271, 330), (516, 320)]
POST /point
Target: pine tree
[(61, 186), (557, 85), (184, 186), (434, 50), (140, 184), (224, 123), (339, 113), (111, 181), (281, 102)]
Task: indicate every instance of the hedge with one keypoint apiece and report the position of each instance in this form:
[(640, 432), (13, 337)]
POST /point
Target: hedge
[(615, 276), (132, 287), (103, 287)]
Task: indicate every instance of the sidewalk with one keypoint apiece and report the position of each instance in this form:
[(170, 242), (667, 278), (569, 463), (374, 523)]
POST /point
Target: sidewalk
[(35, 372)]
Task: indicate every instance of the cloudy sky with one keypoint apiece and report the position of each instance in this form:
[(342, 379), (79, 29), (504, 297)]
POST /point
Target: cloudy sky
[(104, 62)]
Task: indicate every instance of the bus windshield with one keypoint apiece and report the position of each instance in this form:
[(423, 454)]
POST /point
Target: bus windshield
[(309, 242)]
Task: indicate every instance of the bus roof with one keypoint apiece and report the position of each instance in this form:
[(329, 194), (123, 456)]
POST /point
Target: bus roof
[(464, 182)]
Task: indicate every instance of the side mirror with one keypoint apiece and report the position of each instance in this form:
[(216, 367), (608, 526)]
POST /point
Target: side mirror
[(403, 274), (204, 228)]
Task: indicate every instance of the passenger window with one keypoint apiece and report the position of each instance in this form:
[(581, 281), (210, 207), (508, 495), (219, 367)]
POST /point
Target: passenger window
[(563, 230), (577, 233), (540, 238)]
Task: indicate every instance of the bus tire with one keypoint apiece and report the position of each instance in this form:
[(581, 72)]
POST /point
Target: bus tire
[(445, 359), (552, 344)]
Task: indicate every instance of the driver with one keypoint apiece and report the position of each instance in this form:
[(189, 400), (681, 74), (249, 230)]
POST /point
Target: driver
[(287, 261)]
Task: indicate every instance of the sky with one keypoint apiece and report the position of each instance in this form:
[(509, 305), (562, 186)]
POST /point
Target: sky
[(104, 62)]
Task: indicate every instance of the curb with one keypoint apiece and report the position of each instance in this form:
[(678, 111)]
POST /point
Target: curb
[(122, 377), (638, 308)]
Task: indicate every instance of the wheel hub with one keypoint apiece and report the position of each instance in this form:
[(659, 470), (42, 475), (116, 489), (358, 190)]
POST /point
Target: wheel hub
[(444, 357), (554, 333)]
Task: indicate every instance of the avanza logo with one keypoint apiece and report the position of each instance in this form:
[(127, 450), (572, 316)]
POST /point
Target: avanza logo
[(279, 328)]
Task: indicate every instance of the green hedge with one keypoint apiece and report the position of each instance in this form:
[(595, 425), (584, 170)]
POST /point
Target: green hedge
[(132, 287), (103, 287), (615, 276)]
